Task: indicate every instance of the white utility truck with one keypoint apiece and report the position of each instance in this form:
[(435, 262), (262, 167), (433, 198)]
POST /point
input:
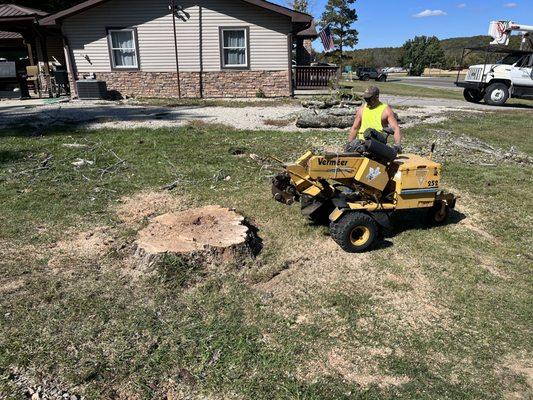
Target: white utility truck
[(510, 76)]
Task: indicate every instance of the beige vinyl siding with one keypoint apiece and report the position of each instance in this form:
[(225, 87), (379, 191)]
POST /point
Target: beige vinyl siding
[(87, 34)]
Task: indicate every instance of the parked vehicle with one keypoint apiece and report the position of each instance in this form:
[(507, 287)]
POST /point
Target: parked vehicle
[(366, 74), (512, 76), (495, 83)]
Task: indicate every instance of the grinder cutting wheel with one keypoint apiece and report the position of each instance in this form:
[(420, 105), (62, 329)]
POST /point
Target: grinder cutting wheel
[(358, 189)]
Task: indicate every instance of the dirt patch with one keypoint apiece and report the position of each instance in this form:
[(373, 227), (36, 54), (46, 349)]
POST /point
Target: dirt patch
[(11, 286), (91, 244), (409, 302), (520, 366), (359, 368), (467, 205), (329, 269), (143, 205), (326, 266)]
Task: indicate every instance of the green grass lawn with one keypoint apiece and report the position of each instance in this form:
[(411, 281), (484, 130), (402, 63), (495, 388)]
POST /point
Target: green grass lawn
[(441, 313)]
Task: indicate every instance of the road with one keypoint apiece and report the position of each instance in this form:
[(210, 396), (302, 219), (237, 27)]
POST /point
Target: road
[(425, 81)]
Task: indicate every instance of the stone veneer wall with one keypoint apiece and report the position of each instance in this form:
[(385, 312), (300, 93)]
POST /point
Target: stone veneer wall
[(215, 84)]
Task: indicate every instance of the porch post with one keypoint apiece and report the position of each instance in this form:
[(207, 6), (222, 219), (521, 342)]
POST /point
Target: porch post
[(289, 56), (70, 68)]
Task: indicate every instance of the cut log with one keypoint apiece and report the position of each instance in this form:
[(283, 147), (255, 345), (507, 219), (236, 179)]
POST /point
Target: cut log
[(206, 235), (339, 118)]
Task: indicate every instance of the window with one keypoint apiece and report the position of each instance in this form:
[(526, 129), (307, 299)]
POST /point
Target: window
[(123, 48), (234, 47)]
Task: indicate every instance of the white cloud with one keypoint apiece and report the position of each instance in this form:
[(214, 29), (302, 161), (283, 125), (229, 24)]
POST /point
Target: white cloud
[(510, 5), (462, 5), (430, 13)]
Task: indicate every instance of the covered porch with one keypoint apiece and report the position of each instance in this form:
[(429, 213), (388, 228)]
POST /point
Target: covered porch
[(307, 73), (32, 61)]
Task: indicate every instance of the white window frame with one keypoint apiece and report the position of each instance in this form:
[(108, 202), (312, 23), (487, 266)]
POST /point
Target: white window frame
[(246, 64), (114, 65)]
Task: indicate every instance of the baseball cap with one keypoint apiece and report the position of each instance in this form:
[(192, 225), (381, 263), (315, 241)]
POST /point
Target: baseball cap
[(372, 91)]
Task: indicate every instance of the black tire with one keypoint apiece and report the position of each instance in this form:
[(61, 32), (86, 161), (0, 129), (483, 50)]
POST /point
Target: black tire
[(472, 95), (354, 232), (437, 215), (365, 78), (497, 94), (382, 78)]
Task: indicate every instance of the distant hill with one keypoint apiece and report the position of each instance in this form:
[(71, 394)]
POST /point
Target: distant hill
[(453, 48)]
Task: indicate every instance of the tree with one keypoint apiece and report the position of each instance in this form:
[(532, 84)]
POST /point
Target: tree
[(421, 52), (340, 18), (299, 5)]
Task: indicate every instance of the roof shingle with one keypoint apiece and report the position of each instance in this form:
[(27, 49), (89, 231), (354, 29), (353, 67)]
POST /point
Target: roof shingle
[(12, 10)]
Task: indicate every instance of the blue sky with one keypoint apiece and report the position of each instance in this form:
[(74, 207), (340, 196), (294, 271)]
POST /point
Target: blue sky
[(384, 23)]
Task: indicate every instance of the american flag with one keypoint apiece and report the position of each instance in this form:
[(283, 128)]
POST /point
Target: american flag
[(327, 38)]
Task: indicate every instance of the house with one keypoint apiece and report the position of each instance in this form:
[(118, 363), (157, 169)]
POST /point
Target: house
[(221, 48)]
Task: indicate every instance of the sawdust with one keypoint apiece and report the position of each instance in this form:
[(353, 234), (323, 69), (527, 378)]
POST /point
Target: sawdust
[(490, 264), (135, 209), (329, 266), (360, 368), (468, 206), (332, 270), (11, 286), (416, 307), (192, 230), (91, 244), (520, 365)]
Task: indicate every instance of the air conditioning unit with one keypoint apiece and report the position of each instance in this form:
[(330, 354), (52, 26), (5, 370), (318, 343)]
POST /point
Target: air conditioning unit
[(91, 89)]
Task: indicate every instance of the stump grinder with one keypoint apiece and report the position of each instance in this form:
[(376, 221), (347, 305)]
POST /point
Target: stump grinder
[(359, 189)]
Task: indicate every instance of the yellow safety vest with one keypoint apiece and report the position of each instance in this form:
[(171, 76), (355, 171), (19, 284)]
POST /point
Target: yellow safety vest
[(371, 119)]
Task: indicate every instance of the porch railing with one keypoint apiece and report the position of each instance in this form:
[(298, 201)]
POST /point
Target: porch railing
[(306, 77)]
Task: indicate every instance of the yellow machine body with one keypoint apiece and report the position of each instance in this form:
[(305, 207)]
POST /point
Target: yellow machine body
[(359, 190), (410, 181)]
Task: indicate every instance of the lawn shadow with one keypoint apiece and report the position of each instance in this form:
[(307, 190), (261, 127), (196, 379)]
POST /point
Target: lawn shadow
[(57, 120), (9, 156), (407, 220)]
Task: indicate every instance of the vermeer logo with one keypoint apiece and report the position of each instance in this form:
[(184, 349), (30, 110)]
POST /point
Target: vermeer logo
[(373, 173), (323, 161)]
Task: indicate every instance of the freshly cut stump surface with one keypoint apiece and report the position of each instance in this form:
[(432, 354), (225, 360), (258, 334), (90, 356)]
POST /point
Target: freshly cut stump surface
[(209, 233)]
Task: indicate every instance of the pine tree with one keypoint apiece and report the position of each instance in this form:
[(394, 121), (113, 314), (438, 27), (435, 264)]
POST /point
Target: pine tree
[(421, 52), (299, 5), (340, 17)]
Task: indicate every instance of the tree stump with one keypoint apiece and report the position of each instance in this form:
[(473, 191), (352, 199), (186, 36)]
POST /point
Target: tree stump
[(207, 235)]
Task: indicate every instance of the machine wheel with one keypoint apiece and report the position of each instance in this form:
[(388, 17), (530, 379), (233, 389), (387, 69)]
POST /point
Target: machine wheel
[(354, 231), (365, 78), (382, 78), (497, 94), (472, 95), (438, 214)]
